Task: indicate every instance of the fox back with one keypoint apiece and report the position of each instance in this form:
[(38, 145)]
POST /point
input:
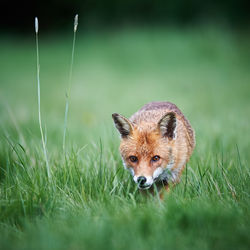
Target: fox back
[(156, 143)]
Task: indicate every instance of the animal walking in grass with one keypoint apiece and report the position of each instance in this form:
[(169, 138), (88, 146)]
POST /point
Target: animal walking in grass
[(156, 143)]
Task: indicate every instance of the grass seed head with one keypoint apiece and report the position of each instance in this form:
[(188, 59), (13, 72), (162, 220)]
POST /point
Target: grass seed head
[(36, 24), (76, 22)]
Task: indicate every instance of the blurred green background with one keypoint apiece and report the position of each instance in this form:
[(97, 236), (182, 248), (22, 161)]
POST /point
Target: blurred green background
[(194, 54), (203, 70)]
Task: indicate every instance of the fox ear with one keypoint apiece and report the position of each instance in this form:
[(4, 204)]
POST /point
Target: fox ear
[(123, 125), (167, 125)]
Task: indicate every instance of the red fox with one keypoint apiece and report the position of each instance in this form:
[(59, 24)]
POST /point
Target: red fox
[(156, 143)]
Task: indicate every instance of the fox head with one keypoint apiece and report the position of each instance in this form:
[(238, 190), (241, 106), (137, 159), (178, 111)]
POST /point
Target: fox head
[(146, 149)]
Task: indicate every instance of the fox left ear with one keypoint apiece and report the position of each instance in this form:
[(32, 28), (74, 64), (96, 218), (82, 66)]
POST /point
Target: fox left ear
[(167, 125), (123, 125)]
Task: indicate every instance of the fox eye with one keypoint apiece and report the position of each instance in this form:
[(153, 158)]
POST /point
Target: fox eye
[(156, 158), (133, 158)]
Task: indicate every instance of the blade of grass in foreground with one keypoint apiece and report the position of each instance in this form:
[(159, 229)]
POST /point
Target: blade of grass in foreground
[(39, 100), (69, 83)]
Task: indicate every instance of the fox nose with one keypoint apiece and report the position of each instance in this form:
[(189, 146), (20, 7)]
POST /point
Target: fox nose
[(141, 180)]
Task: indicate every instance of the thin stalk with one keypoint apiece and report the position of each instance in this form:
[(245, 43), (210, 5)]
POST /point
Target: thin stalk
[(39, 100), (185, 187), (69, 83)]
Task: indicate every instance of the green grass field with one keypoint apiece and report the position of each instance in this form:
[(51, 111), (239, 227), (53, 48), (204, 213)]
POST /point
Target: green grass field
[(91, 202)]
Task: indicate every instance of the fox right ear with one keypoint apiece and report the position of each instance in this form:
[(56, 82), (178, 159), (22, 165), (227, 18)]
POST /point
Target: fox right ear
[(123, 125), (167, 125)]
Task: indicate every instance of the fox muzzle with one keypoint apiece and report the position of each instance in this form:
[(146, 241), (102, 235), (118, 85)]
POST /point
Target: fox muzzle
[(144, 182)]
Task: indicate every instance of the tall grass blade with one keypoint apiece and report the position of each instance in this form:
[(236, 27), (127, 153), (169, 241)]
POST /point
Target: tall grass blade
[(185, 185), (39, 99), (69, 83)]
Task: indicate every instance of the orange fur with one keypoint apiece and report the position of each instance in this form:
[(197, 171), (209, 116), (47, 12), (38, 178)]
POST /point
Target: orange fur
[(147, 134)]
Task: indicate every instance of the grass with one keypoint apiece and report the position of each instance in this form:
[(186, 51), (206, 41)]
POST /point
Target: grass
[(70, 79), (39, 98), (91, 202)]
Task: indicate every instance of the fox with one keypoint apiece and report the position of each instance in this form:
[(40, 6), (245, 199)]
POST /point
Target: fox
[(156, 143)]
